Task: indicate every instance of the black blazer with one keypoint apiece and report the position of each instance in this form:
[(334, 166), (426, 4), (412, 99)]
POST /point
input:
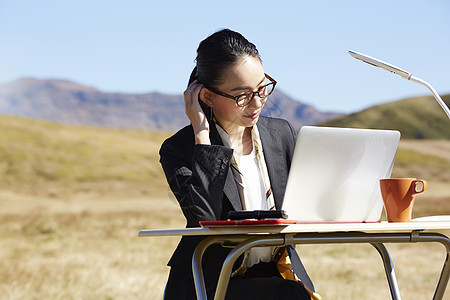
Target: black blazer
[(202, 181)]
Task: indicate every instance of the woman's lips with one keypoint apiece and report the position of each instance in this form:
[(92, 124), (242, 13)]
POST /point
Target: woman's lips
[(253, 116)]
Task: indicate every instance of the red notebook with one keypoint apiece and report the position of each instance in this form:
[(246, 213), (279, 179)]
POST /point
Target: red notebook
[(248, 222)]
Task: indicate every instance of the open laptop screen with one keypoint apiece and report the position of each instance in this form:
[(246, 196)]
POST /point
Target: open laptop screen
[(335, 174)]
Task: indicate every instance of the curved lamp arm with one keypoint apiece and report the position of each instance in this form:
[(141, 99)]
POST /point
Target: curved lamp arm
[(396, 70)]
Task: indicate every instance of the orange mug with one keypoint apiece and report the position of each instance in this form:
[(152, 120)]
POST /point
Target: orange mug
[(398, 197)]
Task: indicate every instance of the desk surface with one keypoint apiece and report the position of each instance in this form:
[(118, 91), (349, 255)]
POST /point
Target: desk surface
[(299, 228)]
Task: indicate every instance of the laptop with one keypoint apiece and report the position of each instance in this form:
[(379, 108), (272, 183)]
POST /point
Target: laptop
[(335, 174)]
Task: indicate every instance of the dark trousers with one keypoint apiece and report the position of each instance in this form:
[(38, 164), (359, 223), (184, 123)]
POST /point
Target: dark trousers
[(262, 281)]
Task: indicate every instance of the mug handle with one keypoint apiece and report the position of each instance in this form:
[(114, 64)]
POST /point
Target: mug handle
[(417, 183)]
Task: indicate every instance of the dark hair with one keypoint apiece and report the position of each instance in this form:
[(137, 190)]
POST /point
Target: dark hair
[(218, 52)]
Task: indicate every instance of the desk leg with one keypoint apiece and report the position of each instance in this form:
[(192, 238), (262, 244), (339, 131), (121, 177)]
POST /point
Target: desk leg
[(419, 237), (445, 273), (277, 240), (227, 267), (197, 269), (389, 269)]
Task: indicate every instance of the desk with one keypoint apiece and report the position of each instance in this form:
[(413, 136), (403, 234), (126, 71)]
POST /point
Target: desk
[(243, 238)]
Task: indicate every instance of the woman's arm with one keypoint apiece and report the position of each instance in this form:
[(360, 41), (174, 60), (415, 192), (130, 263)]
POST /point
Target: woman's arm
[(195, 113), (198, 183), (195, 169)]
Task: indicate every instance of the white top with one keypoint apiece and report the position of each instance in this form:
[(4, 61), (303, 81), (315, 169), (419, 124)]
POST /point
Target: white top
[(252, 179), (248, 166)]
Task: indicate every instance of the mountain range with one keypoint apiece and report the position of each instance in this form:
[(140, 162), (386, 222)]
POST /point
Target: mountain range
[(69, 102)]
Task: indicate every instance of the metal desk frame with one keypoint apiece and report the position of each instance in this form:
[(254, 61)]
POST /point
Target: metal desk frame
[(243, 238)]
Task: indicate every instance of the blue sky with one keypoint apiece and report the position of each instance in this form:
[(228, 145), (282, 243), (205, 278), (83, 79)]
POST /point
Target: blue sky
[(145, 46)]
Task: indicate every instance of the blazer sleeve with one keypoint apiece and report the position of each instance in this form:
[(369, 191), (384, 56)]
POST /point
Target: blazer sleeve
[(196, 175)]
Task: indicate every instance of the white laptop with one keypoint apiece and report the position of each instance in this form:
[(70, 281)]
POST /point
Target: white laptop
[(335, 174)]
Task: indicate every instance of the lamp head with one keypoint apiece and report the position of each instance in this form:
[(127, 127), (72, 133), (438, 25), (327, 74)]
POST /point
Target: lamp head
[(381, 64)]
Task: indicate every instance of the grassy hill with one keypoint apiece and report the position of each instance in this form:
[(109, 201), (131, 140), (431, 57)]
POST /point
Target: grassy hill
[(39, 157), (44, 157), (415, 118)]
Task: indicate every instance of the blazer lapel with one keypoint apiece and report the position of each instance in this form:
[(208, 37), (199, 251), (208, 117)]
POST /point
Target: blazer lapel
[(276, 165), (231, 191), (230, 188)]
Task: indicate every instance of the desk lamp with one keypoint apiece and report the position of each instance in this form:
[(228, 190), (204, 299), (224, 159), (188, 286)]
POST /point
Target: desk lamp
[(396, 70)]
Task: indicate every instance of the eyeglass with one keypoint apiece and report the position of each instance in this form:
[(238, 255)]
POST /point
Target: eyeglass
[(246, 98)]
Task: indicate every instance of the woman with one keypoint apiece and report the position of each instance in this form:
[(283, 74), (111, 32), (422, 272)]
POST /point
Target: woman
[(228, 159)]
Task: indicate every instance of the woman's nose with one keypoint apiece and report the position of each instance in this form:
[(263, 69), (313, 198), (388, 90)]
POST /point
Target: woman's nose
[(257, 101)]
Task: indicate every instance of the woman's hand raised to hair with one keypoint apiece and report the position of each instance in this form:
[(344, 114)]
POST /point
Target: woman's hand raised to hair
[(195, 113)]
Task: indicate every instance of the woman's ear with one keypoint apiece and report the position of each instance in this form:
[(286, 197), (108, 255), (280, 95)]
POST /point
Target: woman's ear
[(206, 96)]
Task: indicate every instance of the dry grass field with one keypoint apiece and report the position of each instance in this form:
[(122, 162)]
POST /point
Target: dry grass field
[(86, 247), (66, 240)]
